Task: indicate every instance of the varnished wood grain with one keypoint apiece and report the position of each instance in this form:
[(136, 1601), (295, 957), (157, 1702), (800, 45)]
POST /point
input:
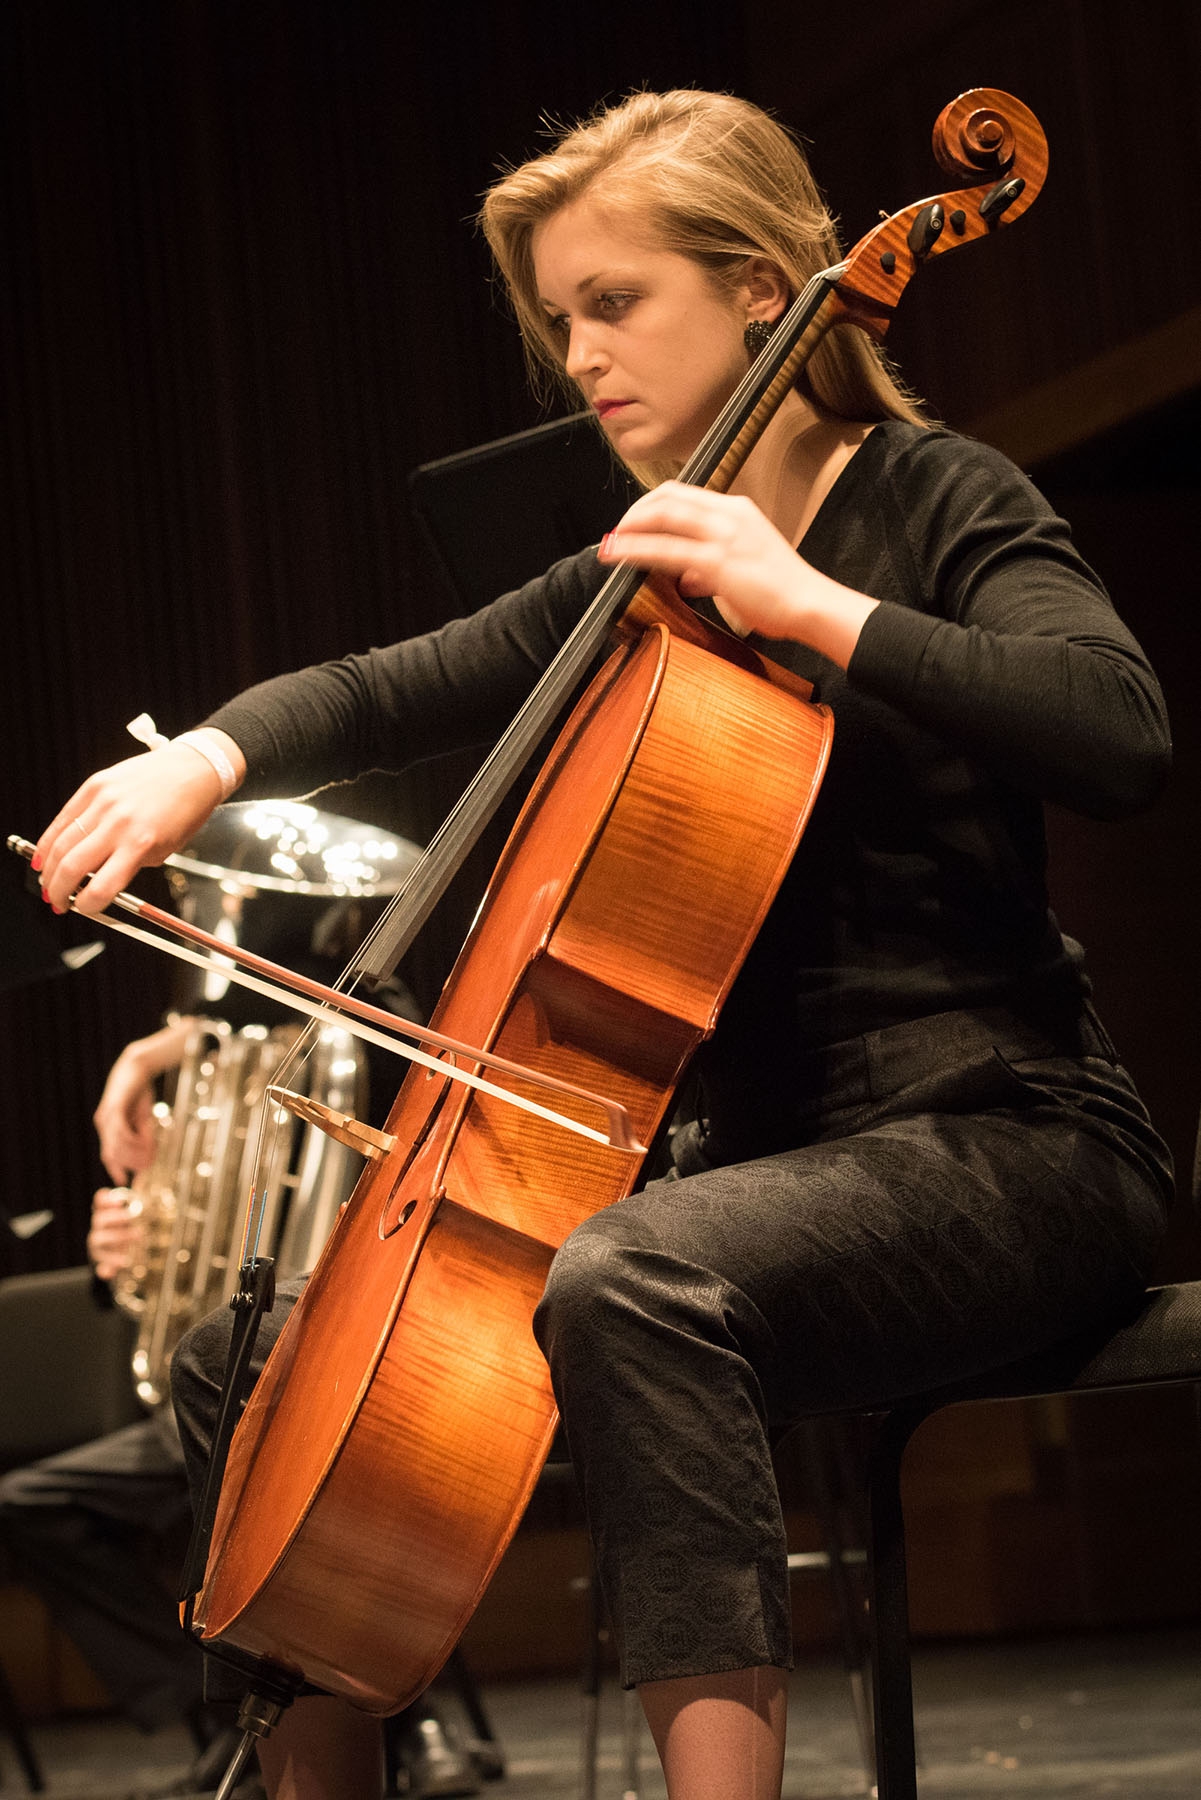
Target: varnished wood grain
[(389, 1448)]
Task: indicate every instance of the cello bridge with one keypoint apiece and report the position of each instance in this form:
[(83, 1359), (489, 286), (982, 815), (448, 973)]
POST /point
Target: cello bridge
[(343, 1126)]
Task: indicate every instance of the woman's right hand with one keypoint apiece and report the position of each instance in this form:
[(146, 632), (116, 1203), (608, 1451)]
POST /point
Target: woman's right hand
[(127, 817)]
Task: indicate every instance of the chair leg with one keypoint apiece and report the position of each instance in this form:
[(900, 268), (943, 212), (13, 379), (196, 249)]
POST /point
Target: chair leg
[(631, 1739), (888, 1610), (830, 1488), (591, 1681), (12, 1722), (485, 1747), (590, 1685)]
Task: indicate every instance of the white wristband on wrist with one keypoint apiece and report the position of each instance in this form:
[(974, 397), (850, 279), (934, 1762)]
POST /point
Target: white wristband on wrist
[(214, 755), (146, 731)]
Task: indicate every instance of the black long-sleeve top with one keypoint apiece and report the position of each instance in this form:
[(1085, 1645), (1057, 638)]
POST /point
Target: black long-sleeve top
[(994, 674)]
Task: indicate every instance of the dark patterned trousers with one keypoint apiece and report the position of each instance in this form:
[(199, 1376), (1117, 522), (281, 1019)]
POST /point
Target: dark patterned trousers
[(964, 1195)]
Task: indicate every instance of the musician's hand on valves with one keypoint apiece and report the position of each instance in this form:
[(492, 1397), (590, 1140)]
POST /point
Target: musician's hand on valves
[(115, 1233), (723, 545), (134, 814), (124, 1113)]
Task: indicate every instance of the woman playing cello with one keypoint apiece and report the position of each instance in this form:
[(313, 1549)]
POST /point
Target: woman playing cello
[(915, 1155)]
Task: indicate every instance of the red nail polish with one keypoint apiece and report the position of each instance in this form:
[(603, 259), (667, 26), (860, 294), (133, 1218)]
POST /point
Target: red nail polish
[(606, 543), (35, 863)]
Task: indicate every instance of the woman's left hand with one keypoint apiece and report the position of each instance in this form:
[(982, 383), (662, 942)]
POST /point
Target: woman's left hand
[(724, 546)]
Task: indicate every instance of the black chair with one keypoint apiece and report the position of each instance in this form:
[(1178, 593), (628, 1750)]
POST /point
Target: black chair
[(66, 1362), (1159, 1345), (66, 1379)]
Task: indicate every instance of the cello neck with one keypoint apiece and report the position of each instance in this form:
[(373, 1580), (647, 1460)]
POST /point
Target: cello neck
[(715, 463)]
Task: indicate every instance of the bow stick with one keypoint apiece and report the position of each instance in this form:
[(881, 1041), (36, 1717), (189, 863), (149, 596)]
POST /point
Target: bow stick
[(330, 1007)]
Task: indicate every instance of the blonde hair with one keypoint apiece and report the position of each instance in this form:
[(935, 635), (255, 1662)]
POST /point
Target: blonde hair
[(715, 179)]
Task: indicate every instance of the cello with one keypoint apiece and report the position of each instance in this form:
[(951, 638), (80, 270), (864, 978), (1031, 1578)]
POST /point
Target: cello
[(391, 1443)]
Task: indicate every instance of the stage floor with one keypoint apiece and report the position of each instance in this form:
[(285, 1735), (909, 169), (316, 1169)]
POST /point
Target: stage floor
[(1080, 1716)]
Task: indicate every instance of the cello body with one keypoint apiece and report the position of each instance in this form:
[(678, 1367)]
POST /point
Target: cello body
[(390, 1446)]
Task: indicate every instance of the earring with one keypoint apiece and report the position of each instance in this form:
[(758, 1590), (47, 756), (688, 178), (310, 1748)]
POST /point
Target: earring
[(756, 335)]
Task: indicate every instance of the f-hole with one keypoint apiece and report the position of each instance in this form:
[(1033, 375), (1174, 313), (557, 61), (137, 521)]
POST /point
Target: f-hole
[(387, 1224)]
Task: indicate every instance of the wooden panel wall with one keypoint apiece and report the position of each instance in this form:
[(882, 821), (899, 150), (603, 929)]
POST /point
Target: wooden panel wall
[(1073, 341), (1105, 255)]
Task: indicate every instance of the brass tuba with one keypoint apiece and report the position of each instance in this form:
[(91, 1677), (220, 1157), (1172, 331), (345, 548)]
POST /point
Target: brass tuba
[(192, 1200)]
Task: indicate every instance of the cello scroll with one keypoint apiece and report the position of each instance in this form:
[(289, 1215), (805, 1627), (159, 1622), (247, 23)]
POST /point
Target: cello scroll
[(985, 137)]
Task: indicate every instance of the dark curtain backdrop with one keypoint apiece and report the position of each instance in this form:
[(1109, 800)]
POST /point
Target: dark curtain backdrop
[(242, 298)]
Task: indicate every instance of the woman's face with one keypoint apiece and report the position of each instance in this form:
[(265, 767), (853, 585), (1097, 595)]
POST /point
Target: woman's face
[(655, 347)]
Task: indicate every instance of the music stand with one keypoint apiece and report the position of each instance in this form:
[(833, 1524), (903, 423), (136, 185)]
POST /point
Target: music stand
[(30, 948)]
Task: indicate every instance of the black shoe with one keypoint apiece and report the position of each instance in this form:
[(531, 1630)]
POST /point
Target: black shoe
[(436, 1763)]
